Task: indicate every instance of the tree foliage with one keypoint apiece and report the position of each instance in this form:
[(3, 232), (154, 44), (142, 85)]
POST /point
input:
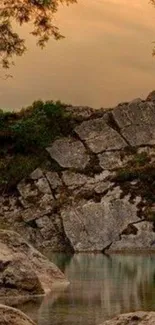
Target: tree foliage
[(38, 12)]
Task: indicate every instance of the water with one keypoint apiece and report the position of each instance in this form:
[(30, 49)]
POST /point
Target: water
[(100, 287), (105, 58)]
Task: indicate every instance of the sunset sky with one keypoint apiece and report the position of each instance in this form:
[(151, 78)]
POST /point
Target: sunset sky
[(104, 59)]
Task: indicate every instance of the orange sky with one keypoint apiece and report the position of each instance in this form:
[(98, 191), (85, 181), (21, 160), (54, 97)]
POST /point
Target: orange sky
[(104, 59)]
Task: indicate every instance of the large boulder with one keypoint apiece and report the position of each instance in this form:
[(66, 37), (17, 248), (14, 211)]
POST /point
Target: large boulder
[(12, 316), (99, 136), (136, 318), (23, 269), (17, 277), (93, 226)]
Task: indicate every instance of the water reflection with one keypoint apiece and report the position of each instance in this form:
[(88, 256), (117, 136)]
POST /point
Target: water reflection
[(101, 287)]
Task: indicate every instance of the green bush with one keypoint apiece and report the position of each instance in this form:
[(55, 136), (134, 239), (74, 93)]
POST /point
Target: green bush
[(24, 136)]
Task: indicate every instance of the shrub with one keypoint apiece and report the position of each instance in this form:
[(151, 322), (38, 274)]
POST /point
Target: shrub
[(24, 136)]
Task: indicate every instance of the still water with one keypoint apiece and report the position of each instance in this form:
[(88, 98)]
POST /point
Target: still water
[(100, 287), (105, 58)]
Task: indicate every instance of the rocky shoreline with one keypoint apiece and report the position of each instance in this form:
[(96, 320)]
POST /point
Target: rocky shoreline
[(96, 193)]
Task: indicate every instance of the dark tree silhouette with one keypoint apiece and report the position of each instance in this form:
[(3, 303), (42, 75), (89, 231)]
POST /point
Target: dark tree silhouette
[(38, 12)]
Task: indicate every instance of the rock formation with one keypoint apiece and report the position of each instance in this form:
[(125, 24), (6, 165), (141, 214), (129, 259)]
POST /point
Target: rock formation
[(136, 318), (97, 190), (24, 270), (12, 316)]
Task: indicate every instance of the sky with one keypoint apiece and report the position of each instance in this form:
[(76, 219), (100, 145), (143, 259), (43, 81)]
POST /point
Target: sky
[(105, 58)]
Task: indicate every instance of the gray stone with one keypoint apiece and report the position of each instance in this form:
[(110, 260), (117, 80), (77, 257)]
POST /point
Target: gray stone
[(134, 114), (103, 187), (40, 207), (94, 226), (46, 227), (143, 240), (84, 186), (135, 318), (12, 316), (36, 174), (53, 179), (136, 122), (110, 160), (138, 135), (99, 136), (69, 153), (43, 186), (74, 180), (27, 190)]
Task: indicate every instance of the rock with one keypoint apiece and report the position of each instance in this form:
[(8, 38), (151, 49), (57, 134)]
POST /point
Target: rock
[(110, 160), (36, 174), (27, 190), (151, 96), (43, 186), (15, 246), (12, 316), (136, 123), (103, 187), (135, 101), (80, 112), (135, 318), (46, 227), (69, 153), (53, 179), (94, 226), (99, 136), (138, 135), (17, 277), (39, 208), (74, 180), (144, 239)]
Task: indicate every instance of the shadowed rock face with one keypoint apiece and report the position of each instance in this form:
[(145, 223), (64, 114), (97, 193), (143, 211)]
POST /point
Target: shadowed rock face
[(12, 316), (137, 318), (101, 179), (24, 270)]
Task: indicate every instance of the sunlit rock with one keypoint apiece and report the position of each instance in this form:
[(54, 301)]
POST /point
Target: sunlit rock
[(99, 136), (69, 153)]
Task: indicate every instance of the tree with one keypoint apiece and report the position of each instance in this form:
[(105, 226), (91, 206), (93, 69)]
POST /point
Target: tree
[(38, 12)]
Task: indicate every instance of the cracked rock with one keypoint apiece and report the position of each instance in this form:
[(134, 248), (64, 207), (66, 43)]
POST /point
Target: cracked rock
[(69, 153), (136, 122), (143, 239), (99, 136), (93, 226), (53, 179)]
